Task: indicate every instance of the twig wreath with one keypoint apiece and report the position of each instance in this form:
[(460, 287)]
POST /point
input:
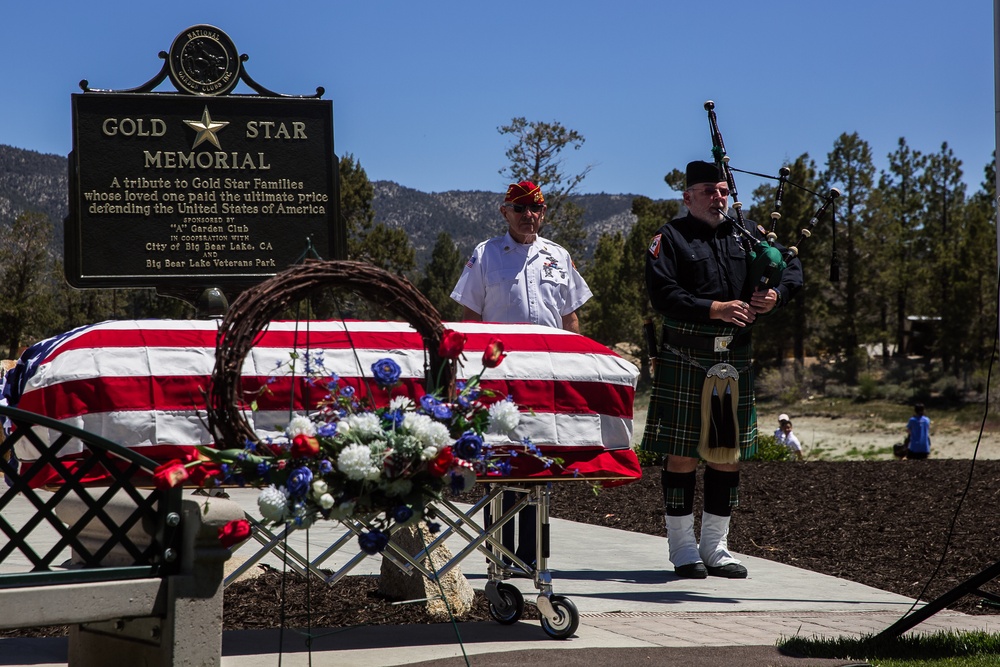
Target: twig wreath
[(254, 309)]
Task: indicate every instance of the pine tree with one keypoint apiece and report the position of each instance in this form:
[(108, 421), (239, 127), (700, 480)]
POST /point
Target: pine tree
[(386, 247), (535, 156), (26, 262), (898, 210), (850, 169), (440, 275)]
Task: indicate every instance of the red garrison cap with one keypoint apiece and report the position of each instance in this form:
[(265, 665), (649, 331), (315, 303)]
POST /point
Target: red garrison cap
[(524, 192)]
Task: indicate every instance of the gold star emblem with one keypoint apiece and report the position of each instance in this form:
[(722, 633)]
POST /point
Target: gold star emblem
[(206, 128)]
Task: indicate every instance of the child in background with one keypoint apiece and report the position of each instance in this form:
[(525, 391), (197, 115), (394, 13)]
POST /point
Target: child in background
[(784, 436)]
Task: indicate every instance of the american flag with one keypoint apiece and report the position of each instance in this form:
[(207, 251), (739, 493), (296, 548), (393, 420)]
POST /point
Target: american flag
[(141, 383)]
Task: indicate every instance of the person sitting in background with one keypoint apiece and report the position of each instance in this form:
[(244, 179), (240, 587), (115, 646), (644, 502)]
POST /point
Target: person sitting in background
[(918, 434), (784, 436)]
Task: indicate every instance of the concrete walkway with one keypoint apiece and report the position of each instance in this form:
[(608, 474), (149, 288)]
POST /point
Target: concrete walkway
[(627, 596)]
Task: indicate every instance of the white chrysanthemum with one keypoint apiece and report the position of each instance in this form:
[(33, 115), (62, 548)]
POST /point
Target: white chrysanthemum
[(300, 425), (355, 461), (397, 487), (438, 435), (401, 403), (364, 425), (273, 503), (417, 425), (429, 453), (504, 417), (326, 501)]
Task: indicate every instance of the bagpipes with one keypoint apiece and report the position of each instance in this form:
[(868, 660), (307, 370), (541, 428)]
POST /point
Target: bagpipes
[(766, 262)]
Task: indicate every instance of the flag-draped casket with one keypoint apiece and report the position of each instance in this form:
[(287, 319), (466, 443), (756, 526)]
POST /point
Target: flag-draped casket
[(143, 383)]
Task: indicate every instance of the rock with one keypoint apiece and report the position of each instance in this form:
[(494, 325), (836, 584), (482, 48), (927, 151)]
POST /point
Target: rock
[(398, 585)]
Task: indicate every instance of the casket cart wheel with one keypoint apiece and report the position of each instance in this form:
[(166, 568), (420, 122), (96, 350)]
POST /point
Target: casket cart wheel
[(512, 606), (568, 618)]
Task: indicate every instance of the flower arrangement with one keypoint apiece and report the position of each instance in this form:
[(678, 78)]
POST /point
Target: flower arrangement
[(352, 459)]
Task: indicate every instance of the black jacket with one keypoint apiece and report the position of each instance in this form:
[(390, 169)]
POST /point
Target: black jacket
[(689, 265)]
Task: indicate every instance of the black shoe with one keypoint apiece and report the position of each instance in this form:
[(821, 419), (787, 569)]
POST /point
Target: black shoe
[(729, 571), (692, 571)]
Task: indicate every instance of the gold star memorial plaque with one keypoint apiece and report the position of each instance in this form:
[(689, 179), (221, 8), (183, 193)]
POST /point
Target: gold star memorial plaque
[(199, 190)]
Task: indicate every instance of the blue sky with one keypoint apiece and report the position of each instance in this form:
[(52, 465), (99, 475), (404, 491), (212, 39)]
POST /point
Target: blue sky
[(419, 88)]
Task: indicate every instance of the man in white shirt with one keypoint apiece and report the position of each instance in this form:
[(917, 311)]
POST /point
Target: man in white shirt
[(520, 277)]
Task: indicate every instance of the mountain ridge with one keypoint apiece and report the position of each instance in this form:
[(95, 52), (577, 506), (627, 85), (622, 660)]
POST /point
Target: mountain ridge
[(30, 180)]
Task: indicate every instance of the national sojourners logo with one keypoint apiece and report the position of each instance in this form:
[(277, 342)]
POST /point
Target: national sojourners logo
[(204, 61)]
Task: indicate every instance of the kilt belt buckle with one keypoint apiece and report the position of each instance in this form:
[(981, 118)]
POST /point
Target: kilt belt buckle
[(722, 343)]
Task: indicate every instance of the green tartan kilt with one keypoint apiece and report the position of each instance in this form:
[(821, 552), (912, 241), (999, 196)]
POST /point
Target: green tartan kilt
[(673, 422)]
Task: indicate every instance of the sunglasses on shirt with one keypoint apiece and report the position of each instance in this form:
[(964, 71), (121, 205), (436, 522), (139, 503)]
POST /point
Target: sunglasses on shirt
[(519, 208)]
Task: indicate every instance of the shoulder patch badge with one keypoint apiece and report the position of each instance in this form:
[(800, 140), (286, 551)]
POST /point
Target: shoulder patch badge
[(471, 262), (654, 247)]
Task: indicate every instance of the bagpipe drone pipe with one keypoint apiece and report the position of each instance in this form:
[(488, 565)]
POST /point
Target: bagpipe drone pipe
[(766, 260)]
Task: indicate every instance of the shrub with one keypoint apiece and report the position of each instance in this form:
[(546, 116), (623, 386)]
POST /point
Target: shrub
[(949, 388), (648, 458), (868, 386), (768, 449)]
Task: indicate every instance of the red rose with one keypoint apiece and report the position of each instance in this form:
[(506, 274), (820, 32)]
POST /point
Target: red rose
[(452, 344), (203, 472), (234, 532), (304, 446), (494, 353), (439, 465), (169, 475)]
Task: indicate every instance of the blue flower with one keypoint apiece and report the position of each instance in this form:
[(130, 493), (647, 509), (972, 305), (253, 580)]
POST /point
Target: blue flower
[(394, 418), (347, 391), (373, 542), (427, 402), (503, 467), (315, 363), (468, 446), (402, 513), (325, 467), (327, 429), (298, 482), (386, 372), (441, 411)]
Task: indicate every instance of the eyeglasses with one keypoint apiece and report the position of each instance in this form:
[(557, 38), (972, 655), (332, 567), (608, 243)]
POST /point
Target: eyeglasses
[(708, 192), (519, 208)]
